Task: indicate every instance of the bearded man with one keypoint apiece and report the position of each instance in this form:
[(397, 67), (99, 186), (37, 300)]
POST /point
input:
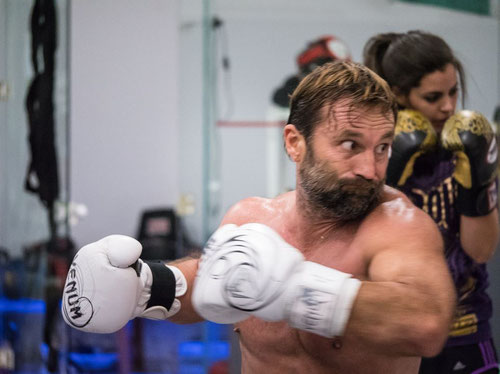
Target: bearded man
[(342, 275)]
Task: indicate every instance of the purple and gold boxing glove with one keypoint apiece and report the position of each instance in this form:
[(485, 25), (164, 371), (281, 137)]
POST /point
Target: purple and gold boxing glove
[(471, 138), (414, 136)]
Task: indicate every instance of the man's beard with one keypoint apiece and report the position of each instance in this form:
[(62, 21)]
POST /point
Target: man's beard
[(338, 198)]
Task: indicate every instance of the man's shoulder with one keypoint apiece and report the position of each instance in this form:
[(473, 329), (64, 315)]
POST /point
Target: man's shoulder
[(396, 210), (396, 224), (257, 209)]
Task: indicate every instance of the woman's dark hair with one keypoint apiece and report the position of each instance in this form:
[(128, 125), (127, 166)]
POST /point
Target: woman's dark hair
[(403, 59)]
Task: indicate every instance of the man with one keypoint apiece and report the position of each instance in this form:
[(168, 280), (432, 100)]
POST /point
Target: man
[(343, 275)]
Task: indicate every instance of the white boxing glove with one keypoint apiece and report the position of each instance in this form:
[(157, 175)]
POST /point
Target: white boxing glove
[(251, 270), (107, 285), (242, 270)]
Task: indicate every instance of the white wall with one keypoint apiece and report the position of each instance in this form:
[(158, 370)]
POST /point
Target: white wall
[(3, 107), (124, 112), (191, 140)]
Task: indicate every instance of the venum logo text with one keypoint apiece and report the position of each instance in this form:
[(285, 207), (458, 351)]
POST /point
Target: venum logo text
[(77, 308), (313, 304)]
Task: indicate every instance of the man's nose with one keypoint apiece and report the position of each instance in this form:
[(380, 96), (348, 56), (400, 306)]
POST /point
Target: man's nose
[(366, 166)]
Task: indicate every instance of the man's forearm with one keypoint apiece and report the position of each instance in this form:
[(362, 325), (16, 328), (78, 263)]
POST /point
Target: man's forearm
[(188, 266), (401, 319)]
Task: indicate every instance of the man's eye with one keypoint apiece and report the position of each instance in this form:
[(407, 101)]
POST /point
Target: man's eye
[(348, 145), (382, 148)]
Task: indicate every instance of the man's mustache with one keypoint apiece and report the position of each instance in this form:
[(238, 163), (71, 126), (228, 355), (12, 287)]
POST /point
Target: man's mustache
[(359, 185)]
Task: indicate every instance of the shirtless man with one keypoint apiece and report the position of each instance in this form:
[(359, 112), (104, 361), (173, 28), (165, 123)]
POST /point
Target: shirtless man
[(343, 275)]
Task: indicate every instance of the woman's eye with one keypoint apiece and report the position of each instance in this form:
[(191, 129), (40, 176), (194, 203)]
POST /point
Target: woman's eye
[(431, 99), (348, 145)]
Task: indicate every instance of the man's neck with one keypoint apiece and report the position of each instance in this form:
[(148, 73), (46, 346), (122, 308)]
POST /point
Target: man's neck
[(312, 221)]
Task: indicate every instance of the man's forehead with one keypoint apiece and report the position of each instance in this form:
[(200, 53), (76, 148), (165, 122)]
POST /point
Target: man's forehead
[(344, 115)]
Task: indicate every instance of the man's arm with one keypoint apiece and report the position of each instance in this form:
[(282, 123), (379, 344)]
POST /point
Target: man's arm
[(251, 270), (108, 285), (407, 304), (187, 314)]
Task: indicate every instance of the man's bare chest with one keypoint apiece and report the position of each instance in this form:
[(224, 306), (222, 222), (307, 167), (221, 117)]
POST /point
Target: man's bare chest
[(275, 344), (337, 254), (274, 347)]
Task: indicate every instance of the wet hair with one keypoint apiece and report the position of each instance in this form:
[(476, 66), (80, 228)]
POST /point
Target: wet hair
[(332, 82), (403, 59)]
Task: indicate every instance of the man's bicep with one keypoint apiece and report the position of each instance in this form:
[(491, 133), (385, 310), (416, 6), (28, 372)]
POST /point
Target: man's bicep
[(412, 255), (407, 298)]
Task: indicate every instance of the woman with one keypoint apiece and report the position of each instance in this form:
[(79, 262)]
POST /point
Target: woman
[(426, 79)]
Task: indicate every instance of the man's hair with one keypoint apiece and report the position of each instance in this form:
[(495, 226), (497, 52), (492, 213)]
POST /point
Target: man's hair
[(332, 82)]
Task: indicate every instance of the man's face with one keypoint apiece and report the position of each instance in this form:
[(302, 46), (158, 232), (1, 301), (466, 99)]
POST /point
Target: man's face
[(343, 171)]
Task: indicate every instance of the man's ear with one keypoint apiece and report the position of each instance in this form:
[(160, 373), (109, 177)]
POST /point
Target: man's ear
[(295, 143), (401, 98)]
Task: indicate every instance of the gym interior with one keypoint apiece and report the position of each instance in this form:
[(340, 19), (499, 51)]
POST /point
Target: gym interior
[(157, 118)]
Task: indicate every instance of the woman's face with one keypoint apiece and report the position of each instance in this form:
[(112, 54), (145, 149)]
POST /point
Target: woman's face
[(435, 97)]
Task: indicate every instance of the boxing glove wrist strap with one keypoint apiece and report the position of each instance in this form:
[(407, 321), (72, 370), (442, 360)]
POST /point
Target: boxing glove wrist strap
[(163, 286), (168, 283)]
